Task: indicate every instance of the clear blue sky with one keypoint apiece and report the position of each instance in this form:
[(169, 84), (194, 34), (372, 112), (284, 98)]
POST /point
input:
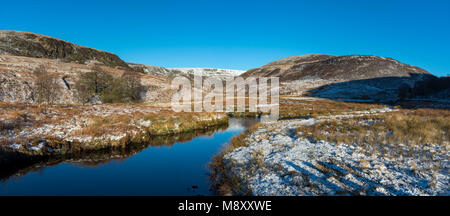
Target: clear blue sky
[(243, 34)]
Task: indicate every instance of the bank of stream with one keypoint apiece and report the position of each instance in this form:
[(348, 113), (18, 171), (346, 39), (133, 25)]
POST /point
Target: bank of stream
[(167, 165)]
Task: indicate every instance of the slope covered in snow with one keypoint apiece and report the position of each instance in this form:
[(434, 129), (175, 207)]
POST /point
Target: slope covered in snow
[(209, 72)]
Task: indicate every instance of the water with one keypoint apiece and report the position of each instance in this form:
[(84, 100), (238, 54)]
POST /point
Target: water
[(166, 167)]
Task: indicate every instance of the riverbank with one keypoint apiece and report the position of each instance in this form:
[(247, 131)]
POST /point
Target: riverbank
[(344, 153), (166, 165), (98, 157), (31, 132)]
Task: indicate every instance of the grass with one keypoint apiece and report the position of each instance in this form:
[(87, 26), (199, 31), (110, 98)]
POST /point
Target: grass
[(295, 108), (162, 123), (290, 108), (19, 162), (410, 127), (223, 180), (387, 133), (98, 123)]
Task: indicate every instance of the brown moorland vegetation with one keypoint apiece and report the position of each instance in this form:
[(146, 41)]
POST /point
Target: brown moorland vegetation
[(94, 126), (407, 127)]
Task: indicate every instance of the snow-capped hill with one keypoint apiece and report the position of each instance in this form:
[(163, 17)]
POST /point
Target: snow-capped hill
[(209, 72), (149, 69)]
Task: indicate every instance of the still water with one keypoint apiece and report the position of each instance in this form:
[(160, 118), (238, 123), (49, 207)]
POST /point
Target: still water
[(174, 165)]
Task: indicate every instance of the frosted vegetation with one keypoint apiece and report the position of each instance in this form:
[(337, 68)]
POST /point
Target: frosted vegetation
[(380, 151)]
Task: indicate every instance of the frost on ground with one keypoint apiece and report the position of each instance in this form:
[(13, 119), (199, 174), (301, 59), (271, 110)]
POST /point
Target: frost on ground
[(32, 129), (279, 162), (209, 72)]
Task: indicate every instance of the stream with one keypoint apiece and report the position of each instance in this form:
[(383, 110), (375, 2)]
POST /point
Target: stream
[(171, 165)]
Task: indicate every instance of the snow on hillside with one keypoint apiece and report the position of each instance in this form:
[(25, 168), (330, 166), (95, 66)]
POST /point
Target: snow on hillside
[(210, 72)]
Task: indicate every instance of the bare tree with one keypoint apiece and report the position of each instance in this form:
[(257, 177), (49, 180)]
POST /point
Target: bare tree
[(133, 87), (92, 83), (83, 93), (123, 89), (46, 86)]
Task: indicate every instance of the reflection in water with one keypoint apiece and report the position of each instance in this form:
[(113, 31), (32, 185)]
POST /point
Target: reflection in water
[(166, 165)]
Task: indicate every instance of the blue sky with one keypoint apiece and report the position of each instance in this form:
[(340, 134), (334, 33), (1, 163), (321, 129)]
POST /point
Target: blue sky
[(243, 34)]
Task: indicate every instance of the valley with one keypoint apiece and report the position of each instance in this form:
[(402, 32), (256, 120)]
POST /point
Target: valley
[(347, 125)]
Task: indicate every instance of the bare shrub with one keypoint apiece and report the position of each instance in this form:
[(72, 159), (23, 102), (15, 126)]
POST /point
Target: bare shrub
[(46, 86)]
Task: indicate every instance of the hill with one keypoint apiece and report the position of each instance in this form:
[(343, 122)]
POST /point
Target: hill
[(28, 44), (328, 67), (352, 77)]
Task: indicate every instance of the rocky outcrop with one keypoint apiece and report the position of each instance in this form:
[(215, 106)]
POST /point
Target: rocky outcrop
[(39, 46)]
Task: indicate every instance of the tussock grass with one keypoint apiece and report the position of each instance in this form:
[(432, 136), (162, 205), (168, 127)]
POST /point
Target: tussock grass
[(101, 126), (410, 127), (162, 123), (297, 108)]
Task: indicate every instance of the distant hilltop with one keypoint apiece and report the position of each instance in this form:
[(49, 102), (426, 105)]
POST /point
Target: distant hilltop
[(214, 72)]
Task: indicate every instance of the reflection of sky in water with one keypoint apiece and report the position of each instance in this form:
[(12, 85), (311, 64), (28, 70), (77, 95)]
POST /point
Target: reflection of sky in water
[(235, 125), (165, 170)]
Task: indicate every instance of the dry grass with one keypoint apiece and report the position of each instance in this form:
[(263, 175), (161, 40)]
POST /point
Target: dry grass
[(102, 118), (222, 179), (411, 127), (297, 108), (162, 123), (97, 123), (290, 108)]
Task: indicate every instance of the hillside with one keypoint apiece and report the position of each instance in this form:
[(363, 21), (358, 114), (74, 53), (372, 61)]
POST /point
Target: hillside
[(149, 69), (173, 72), (351, 77), (328, 67), (18, 80), (208, 72), (40, 46)]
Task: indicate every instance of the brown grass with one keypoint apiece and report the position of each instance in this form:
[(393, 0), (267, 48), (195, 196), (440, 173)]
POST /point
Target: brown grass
[(297, 108), (162, 123), (411, 127), (98, 121)]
